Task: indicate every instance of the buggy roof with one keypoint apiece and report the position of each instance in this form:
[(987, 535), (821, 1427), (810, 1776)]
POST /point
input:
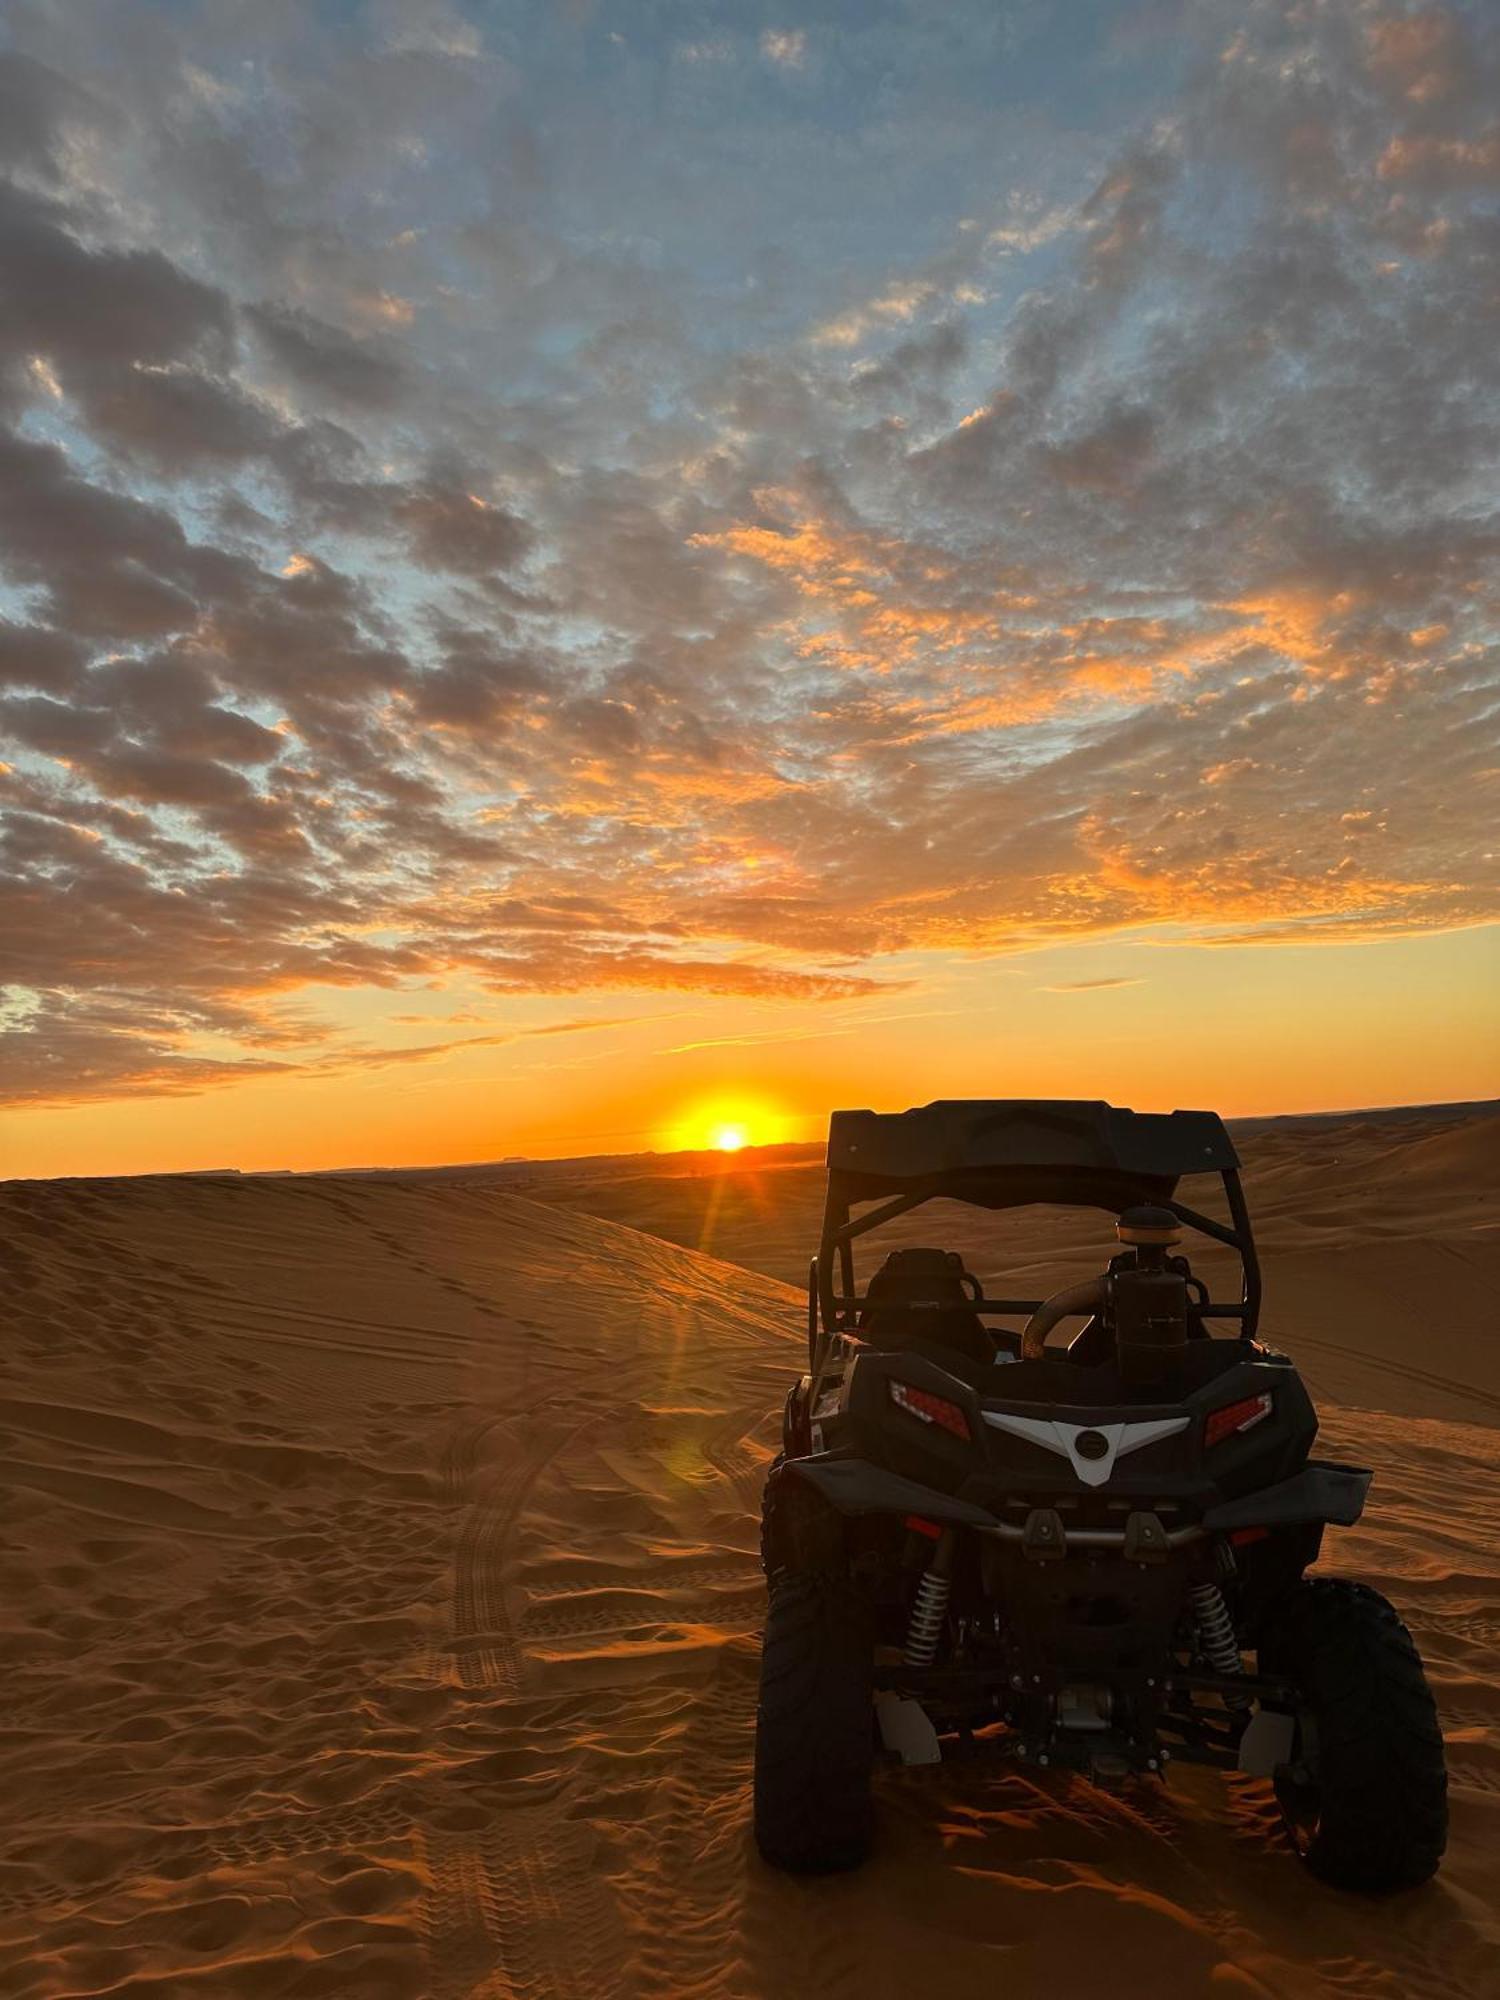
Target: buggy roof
[(1055, 1148)]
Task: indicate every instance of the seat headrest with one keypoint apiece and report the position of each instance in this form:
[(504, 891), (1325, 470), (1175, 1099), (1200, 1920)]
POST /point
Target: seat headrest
[(919, 1276)]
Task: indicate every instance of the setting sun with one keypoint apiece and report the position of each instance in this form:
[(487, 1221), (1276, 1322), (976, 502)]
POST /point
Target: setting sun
[(726, 1123)]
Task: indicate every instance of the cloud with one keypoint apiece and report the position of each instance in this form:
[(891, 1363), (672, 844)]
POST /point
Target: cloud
[(100, 1054), (584, 1027), (1088, 985), (720, 534), (452, 528), (95, 316), (785, 47), (783, 1039), (330, 366)]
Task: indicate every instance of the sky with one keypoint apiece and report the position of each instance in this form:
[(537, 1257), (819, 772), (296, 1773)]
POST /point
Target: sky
[(596, 576)]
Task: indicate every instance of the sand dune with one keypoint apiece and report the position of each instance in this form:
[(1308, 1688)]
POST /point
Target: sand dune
[(381, 1614)]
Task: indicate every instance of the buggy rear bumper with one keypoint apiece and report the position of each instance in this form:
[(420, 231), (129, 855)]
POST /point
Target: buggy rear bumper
[(1319, 1492)]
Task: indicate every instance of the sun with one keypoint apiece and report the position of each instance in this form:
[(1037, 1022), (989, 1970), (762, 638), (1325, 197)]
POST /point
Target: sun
[(727, 1122)]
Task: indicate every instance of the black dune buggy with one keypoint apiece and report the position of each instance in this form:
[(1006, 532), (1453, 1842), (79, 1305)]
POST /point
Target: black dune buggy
[(1066, 1553)]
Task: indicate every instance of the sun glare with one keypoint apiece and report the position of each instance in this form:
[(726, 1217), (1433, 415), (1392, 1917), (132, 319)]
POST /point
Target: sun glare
[(725, 1124)]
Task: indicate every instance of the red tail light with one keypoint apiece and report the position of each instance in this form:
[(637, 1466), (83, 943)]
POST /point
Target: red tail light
[(1236, 1417), (929, 1409)]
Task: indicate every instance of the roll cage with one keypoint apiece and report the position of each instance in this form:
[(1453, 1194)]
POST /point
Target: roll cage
[(1010, 1153)]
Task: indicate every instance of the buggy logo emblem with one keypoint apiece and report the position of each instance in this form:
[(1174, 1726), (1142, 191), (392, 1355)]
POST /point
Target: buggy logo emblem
[(1091, 1449)]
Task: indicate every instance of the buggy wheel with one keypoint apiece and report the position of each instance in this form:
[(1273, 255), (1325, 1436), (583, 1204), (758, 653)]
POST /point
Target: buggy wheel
[(768, 1551), (813, 1726), (1365, 1799)]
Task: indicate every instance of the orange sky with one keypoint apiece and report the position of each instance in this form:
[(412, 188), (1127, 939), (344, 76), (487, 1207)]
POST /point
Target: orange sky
[(1241, 1030)]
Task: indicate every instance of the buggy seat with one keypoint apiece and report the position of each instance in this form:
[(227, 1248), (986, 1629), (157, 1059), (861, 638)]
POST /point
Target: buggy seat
[(921, 1298)]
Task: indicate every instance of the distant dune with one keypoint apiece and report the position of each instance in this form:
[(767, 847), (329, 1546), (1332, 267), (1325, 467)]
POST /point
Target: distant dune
[(381, 1601)]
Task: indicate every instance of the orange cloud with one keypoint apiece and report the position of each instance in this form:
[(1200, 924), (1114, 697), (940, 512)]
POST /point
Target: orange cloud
[(1442, 163)]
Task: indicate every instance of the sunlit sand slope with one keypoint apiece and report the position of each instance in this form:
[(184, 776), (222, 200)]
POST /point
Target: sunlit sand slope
[(380, 1618)]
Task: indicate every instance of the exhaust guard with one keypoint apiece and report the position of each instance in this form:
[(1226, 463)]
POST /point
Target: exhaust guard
[(1319, 1492)]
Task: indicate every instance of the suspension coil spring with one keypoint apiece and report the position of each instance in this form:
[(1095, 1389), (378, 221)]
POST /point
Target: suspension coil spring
[(929, 1609), (1216, 1634)]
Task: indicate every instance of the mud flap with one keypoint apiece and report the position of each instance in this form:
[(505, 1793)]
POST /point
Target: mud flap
[(854, 1486), (906, 1729), (1321, 1491), (1267, 1742)]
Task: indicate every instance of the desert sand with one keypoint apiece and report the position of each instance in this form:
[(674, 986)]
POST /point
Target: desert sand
[(381, 1604)]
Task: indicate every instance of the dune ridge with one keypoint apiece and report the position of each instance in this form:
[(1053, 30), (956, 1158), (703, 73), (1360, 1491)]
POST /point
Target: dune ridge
[(382, 1609)]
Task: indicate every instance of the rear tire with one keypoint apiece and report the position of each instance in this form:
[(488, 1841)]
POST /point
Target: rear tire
[(1366, 1802), (814, 1745)]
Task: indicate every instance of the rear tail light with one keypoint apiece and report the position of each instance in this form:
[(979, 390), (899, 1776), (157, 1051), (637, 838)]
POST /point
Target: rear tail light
[(929, 1409), (1236, 1417)]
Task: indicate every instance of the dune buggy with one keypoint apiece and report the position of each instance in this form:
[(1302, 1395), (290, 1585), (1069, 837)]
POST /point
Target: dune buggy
[(1088, 1555)]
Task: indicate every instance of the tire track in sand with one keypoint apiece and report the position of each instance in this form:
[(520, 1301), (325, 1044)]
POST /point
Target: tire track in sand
[(516, 1909)]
